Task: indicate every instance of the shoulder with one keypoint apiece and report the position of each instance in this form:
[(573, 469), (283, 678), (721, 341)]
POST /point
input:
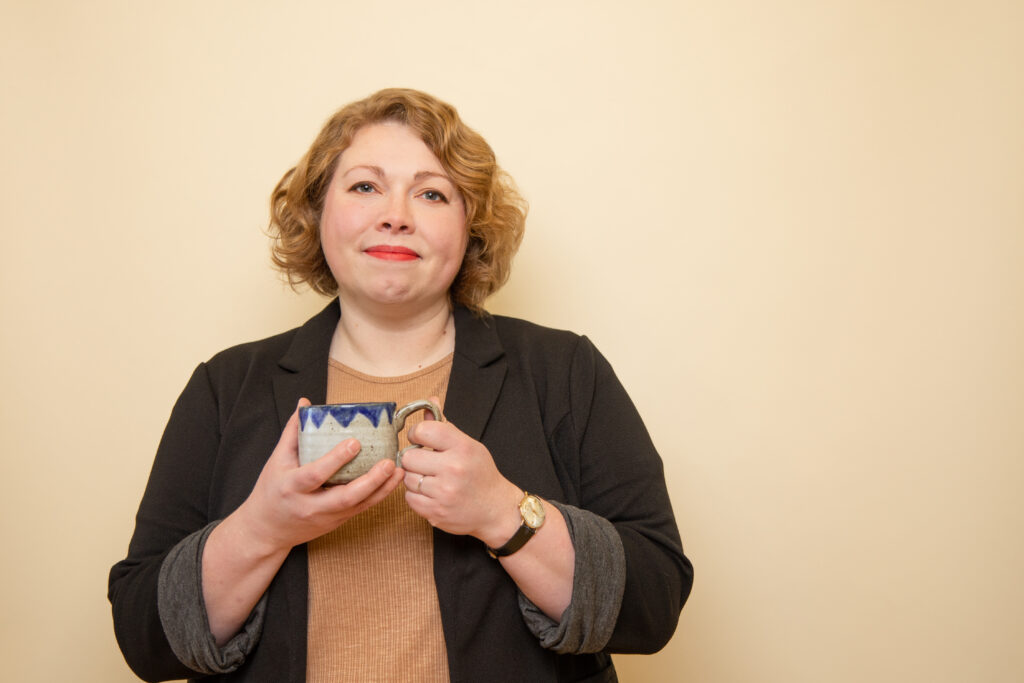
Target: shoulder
[(525, 341), (524, 334), (536, 350), (244, 356), (292, 350), (520, 336)]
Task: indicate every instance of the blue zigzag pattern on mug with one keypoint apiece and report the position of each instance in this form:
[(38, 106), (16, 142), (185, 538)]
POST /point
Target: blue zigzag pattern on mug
[(344, 413)]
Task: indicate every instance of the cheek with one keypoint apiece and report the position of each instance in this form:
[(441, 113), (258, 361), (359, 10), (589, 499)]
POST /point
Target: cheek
[(456, 248), (340, 219), (457, 235)]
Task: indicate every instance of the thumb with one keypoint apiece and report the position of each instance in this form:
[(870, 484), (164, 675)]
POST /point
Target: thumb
[(428, 415), (288, 443)]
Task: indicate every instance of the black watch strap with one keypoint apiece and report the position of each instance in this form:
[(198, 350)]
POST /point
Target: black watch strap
[(517, 541)]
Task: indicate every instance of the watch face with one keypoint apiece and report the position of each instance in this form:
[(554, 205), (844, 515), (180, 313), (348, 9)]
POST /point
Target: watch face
[(533, 511)]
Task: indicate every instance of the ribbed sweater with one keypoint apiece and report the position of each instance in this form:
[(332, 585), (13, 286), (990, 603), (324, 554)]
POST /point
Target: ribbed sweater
[(373, 608)]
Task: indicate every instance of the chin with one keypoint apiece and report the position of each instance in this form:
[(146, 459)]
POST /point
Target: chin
[(395, 295)]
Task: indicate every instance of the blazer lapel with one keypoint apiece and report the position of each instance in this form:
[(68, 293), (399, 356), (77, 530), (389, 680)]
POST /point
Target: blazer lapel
[(304, 364), (478, 371)]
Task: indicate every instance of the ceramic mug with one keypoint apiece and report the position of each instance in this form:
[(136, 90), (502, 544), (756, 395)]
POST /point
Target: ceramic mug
[(374, 425)]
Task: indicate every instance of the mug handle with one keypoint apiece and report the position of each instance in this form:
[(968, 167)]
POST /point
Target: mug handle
[(404, 412)]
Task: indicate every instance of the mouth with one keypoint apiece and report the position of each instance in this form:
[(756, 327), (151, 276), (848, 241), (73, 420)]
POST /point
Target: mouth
[(387, 252)]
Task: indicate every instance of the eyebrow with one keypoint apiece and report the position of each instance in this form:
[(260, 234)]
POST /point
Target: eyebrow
[(420, 175), (379, 172)]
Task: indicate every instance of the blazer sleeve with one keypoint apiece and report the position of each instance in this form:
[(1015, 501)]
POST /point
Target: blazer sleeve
[(621, 478), (174, 506)]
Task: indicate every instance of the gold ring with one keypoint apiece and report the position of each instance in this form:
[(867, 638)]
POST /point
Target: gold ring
[(419, 484)]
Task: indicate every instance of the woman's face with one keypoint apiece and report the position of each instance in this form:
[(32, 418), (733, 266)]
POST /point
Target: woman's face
[(393, 227)]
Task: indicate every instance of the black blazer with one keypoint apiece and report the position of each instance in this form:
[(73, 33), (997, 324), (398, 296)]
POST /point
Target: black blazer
[(545, 403)]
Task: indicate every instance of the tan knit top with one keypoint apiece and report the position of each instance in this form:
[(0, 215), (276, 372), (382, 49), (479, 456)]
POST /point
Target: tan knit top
[(373, 609)]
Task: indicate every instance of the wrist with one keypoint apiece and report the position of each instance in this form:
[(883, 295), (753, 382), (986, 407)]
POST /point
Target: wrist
[(505, 520), (531, 518), (251, 536)]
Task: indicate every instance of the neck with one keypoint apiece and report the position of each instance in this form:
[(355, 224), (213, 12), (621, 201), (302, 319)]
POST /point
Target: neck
[(388, 344)]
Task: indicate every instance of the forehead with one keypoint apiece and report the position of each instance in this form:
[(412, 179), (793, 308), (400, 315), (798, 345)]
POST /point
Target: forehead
[(393, 146)]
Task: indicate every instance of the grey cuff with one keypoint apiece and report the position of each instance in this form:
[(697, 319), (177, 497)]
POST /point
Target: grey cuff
[(598, 584), (183, 611)]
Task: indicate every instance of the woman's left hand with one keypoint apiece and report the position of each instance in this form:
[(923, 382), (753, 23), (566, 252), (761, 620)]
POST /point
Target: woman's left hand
[(456, 486)]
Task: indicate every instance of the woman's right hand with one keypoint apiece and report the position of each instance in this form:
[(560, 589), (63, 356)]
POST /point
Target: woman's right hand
[(289, 504)]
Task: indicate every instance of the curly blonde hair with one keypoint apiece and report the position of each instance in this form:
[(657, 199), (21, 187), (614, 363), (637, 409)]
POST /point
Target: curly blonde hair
[(495, 212)]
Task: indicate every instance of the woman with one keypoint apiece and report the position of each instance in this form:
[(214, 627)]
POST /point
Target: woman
[(243, 564)]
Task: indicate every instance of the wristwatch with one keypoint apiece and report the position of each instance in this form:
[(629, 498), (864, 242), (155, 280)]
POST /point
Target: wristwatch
[(531, 508)]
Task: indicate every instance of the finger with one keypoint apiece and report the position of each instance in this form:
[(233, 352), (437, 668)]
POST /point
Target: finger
[(428, 415), (315, 474), (414, 482), (366, 487), (440, 436), (422, 505), (384, 490), (372, 487), (420, 461)]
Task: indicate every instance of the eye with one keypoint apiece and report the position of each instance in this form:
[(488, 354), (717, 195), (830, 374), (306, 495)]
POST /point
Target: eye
[(362, 188), (434, 196)]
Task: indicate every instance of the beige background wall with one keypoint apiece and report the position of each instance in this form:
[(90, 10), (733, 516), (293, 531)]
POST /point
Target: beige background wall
[(796, 228)]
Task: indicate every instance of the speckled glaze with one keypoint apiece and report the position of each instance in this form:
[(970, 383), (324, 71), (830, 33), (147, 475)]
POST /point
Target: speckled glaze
[(374, 425)]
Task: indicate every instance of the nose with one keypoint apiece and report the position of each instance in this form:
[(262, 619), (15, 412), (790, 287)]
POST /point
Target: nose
[(396, 216)]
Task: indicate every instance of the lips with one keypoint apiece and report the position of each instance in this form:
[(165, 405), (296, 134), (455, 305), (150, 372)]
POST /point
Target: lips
[(387, 252)]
